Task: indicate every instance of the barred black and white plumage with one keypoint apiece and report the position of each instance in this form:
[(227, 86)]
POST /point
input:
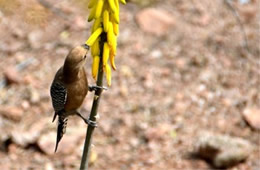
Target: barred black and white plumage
[(59, 97)]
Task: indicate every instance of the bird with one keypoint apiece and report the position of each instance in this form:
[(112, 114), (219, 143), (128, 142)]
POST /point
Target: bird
[(69, 89)]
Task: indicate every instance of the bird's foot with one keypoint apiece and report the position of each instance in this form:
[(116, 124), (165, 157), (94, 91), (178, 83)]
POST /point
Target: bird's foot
[(91, 122), (87, 121), (95, 88)]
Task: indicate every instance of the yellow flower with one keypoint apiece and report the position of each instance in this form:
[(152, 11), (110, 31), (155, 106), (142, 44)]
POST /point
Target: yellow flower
[(105, 14)]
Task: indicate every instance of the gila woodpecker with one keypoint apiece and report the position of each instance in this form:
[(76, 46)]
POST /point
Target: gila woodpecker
[(69, 88)]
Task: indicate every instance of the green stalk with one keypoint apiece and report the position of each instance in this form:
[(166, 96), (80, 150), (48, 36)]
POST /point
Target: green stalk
[(94, 109)]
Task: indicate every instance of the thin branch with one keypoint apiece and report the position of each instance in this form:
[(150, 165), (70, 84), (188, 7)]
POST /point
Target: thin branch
[(93, 114), (236, 15)]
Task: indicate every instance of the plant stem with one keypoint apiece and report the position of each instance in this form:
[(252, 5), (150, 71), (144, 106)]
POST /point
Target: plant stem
[(94, 109)]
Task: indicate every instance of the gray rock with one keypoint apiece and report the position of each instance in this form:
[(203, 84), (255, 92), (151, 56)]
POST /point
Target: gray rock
[(221, 150)]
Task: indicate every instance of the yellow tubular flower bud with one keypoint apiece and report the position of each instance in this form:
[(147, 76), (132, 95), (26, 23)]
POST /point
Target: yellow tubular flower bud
[(106, 20), (110, 34), (114, 45), (115, 25), (123, 2), (116, 3), (105, 54), (92, 13), (99, 8), (91, 3), (95, 48), (95, 66), (92, 50), (112, 5), (112, 60), (96, 25), (94, 36), (108, 74), (117, 11), (115, 28), (116, 17)]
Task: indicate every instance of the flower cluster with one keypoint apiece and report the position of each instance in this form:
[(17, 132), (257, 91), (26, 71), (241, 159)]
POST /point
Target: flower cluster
[(105, 14)]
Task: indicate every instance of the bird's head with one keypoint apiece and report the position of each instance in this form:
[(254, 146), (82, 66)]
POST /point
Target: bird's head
[(77, 56)]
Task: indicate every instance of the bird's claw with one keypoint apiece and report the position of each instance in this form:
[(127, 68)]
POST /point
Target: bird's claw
[(87, 121), (95, 88), (91, 122)]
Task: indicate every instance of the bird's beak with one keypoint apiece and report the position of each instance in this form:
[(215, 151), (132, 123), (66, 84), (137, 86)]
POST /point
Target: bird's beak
[(85, 46)]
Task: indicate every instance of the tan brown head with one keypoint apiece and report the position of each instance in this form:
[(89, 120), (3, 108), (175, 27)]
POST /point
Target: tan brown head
[(77, 57)]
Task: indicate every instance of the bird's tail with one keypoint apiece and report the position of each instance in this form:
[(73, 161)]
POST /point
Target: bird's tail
[(62, 124), (54, 117)]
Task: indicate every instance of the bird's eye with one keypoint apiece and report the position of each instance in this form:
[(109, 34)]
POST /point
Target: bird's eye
[(85, 56)]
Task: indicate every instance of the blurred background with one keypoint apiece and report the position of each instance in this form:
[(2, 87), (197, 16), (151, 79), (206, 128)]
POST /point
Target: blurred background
[(185, 95)]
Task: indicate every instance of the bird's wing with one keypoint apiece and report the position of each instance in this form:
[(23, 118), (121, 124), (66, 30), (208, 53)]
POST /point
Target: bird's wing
[(59, 97)]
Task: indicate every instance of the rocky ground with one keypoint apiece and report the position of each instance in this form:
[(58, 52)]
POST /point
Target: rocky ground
[(184, 71)]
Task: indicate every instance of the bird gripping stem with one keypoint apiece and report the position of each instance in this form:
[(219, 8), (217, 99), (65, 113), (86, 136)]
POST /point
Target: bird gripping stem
[(94, 109)]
